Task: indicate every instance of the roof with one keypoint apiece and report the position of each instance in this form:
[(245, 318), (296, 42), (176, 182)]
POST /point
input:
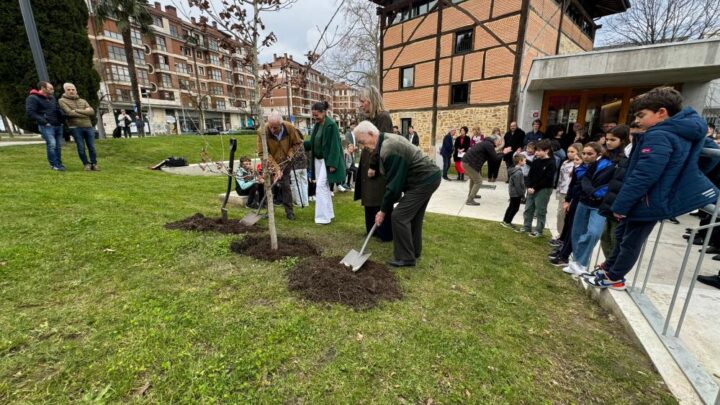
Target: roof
[(595, 8)]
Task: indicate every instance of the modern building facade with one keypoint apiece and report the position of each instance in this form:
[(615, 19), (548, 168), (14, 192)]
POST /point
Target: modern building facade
[(463, 62), (177, 76), (346, 100), (291, 91)]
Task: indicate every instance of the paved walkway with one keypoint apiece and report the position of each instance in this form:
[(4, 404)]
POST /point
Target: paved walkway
[(19, 143), (701, 327)]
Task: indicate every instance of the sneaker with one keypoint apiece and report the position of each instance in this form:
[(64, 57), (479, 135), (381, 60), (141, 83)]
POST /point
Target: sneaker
[(559, 262), (522, 230), (473, 202), (535, 234), (507, 225), (87, 167), (95, 168), (555, 242), (574, 268), (601, 281), (342, 189), (58, 168)]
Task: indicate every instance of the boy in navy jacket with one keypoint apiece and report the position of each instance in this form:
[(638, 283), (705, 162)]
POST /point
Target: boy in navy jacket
[(662, 179)]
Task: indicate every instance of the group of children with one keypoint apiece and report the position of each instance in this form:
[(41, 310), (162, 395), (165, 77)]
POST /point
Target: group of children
[(615, 193)]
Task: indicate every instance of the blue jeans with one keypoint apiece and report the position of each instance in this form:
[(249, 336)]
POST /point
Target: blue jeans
[(446, 166), (587, 227), (53, 136), (85, 136)]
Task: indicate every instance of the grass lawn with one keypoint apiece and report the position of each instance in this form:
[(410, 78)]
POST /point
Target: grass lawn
[(101, 303)]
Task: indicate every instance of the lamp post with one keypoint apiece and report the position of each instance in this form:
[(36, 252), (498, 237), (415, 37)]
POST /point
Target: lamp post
[(35, 47)]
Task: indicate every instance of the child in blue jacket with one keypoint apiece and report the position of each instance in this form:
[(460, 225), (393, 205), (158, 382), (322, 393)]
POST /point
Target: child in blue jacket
[(662, 180)]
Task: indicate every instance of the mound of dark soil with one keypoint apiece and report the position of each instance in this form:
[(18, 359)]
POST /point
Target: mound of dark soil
[(200, 222), (324, 279), (258, 246)]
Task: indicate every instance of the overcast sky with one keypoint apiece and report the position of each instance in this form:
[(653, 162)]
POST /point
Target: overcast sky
[(295, 28)]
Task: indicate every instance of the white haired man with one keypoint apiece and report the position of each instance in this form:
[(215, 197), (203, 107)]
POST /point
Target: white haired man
[(283, 142), (412, 178), (79, 113)]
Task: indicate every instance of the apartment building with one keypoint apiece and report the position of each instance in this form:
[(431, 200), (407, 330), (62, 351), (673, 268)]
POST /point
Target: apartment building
[(346, 100), (176, 75), (464, 62), (317, 87)]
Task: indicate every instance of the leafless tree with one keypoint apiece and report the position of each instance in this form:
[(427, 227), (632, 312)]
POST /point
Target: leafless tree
[(243, 21), (659, 21), (356, 58)]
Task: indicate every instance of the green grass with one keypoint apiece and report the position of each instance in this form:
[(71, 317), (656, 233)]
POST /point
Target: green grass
[(99, 300)]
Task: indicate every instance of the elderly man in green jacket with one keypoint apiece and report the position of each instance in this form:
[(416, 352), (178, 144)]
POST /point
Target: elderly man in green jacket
[(412, 178), (327, 160)]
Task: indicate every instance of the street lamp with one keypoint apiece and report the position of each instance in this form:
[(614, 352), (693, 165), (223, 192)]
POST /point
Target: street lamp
[(35, 47)]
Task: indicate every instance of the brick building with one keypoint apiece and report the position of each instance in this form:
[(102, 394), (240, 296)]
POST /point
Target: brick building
[(318, 87), (346, 100), (463, 62), (169, 68)]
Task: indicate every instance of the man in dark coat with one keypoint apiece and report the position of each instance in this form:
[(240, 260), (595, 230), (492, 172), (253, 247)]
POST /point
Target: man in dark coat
[(515, 139), (446, 152), (474, 160), (413, 137), (41, 107)]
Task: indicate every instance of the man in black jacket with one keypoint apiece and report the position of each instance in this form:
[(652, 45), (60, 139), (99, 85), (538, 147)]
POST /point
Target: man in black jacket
[(413, 137), (41, 107), (515, 139), (474, 160)]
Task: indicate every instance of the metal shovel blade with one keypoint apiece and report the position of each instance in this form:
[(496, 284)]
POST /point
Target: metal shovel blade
[(250, 219), (355, 260)]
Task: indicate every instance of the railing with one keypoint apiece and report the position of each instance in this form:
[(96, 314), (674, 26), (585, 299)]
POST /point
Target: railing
[(701, 380)]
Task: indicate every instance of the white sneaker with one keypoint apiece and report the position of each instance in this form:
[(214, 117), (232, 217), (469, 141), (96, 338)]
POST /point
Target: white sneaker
[(342, 189), (574, 268)]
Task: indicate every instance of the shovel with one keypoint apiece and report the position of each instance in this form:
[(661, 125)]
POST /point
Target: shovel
[(231, 179), (253, 217), (354, 259)]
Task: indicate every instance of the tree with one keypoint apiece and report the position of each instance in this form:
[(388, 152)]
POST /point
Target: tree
[(657, 21), (67, 49), (242, 19), (128, 14), (355, 58)]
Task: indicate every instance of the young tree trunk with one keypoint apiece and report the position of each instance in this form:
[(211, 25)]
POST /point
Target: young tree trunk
[(129, 53), (261, 132), (7, 126)]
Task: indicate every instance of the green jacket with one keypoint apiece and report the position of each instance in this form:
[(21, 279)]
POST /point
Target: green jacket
[(404, 166), (77, 110), (324, 143)]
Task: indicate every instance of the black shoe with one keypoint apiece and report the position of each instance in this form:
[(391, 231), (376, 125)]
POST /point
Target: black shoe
[(447, 178), (712, 250), (559, 262), (253, 205), (401, 263), (478, 196), (674, 221), (697, 241), (695, 214), (713, 281), (472, 203), (290, 216), (716, 257)]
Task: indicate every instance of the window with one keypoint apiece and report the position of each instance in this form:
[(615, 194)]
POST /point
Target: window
[(216, 90), (214, 59), (157, 21), (122, 95), (213, 44), (243, 103), (186, 51), (174, 31), (185, 84), (203, 86), (113, 35), (407, 77), (464, 41), (160, 43), (201, 71), (459, 93), (214, 74), (118, 73), (163, 62), (139, 55), (136, 37), (166, 80), (220, 105), (181, 68), (116, 53), (142, 76)]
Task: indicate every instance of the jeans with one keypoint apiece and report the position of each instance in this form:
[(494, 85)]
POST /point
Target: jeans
[(83, 137), (630, 236), (53, 136), (587, 227), (536, 204), (446, 166)]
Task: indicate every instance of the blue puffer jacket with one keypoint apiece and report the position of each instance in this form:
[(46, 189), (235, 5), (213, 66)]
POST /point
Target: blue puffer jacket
[(43, 109), (663, 179)]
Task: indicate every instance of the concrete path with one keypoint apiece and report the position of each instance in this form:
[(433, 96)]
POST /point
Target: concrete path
[(19, 143), (701, 327)]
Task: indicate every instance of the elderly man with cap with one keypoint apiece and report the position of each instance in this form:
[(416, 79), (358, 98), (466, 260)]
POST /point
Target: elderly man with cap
[(283, 142), (412, 178)]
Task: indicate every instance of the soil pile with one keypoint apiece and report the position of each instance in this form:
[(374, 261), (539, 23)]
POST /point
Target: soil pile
[(201, 223), (324, 279), (258, 246)]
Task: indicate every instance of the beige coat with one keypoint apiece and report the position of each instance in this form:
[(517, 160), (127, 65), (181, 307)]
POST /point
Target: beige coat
[(77, 110)]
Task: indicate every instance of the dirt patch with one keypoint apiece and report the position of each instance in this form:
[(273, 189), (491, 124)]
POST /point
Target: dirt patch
[(201, 223), (324, 279), (258, 246)]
